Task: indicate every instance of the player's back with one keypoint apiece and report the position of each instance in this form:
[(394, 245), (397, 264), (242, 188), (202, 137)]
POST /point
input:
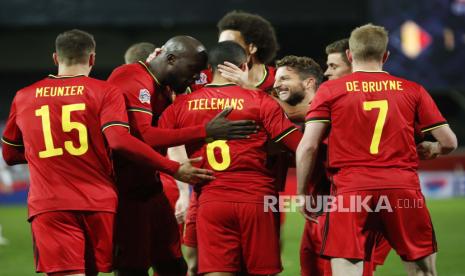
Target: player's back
[(239, 165), (61, 120), (373, 115)]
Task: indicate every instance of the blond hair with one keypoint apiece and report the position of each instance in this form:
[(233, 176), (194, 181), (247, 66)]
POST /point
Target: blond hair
[(368, 42)]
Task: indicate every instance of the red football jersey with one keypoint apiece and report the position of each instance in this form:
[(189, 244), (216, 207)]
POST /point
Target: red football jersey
[(373, 116), (239, 165), (142, 93), (59, 121), (265, 84)]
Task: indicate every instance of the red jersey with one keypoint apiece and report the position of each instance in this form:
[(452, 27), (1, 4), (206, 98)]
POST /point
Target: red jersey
[(59, 121), (373, 116), (143, 94), (265, 84), (239, 165)]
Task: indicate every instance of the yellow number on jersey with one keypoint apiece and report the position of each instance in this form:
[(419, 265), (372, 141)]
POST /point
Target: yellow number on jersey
[(50, 150), (225, 156), (67, 126), (383, 108)]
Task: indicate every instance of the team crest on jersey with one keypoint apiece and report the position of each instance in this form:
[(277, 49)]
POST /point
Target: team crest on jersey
[(202, 79), (144, 96)]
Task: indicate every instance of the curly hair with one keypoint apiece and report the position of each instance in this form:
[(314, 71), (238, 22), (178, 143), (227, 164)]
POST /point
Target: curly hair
[(305, 66), (255, 29)]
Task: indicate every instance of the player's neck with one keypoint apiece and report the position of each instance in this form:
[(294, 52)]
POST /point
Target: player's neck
[(256, 73), (218, 79), (370, 66), (155, 68), (74, 70)]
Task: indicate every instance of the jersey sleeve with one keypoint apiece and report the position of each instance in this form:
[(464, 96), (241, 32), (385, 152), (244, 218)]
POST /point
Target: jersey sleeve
[(168, 117), (113, 109), (428, 115), (12, 135), (137, 100), (274, 120), (320, 107)]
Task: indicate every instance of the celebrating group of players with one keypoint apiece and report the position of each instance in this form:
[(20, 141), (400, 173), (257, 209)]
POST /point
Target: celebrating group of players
[(96, 152)]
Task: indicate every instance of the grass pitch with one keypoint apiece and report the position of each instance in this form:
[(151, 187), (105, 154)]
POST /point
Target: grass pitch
[(448, 217)]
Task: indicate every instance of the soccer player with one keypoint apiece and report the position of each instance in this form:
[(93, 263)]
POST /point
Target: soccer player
[(337, 62), (146, 230), (296, 81), (257, 36), (231, 209), (378, 163), (138, 51), (61, 127)]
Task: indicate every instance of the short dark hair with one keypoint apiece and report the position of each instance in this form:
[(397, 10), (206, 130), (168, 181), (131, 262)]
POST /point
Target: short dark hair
[(229, 51), (74, 46), (255, 29), (138, 51), (339, 46), (304, 66)]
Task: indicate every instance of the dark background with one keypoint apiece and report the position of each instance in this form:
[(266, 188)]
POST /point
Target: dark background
[(28, 29)]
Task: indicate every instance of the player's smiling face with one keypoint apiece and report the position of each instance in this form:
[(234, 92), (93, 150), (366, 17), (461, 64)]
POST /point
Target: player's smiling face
[(336, 67), (289, 86)]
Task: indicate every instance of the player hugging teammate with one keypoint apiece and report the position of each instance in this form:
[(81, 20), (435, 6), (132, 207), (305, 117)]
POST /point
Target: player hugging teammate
[(96, 149)]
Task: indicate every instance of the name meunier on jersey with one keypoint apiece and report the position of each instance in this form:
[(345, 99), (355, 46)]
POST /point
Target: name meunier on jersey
[(59, 91), (215, 104)]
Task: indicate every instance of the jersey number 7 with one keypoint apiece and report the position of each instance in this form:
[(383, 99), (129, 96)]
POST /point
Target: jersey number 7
[(67, 126), (383, 108)]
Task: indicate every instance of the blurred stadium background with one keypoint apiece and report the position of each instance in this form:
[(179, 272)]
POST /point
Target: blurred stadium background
[(427, 45)]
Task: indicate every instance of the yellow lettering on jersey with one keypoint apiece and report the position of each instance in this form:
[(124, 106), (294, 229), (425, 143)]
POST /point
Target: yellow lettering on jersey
[(215, 104), (80, 89), (240, 104), (220, 103), (59, 91), (39, 91), (374, 86)]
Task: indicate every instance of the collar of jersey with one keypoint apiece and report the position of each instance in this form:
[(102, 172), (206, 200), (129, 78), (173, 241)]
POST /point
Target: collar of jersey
[(265, 75), (65, 76), (220, 84), (363, 71), (148, 70)]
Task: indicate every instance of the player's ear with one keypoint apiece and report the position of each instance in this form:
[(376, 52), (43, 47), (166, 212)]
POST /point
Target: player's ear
[(171, 59), (309, 82), (349, 56), (91, 59), (386, 56), (252, 49), (243, 66), (55, 58)]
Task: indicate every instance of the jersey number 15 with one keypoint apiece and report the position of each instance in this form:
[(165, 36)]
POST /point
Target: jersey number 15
[(67, 126)]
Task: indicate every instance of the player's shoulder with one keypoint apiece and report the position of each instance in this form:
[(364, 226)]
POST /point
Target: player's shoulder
[(406, 83), (127, 70)]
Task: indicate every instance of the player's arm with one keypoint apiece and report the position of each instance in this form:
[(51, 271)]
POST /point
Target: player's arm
[(306, 154), (121, 141), (179, 154), (430, 119), (446, 142), (12, 140)]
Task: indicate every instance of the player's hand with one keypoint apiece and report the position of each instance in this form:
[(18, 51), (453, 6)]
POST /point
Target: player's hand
[(307, 215), (190, 174), (155, 53), (180, 209), (220, 128), (427, 150), (235, 74)]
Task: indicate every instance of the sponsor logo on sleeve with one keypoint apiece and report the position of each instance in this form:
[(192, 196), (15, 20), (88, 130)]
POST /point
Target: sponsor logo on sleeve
[(144, 96)]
